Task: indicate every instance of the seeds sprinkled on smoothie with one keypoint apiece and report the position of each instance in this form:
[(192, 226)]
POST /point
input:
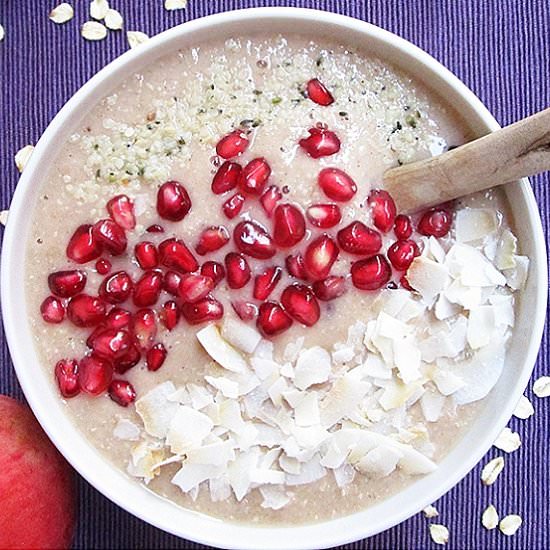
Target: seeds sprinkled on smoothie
[(489, 518), (430, 511), (135, 38), (541, 387), (510, 524), (524, 408), (113, 20), (492, 470), (93, 30), (508, 441), (62, 13), (439, 533), (22, 157)]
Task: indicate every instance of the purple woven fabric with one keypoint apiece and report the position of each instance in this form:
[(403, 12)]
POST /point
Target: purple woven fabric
[(499, 48)]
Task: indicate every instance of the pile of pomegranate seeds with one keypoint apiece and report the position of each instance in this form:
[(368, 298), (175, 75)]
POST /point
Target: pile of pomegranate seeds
[(126, 311)]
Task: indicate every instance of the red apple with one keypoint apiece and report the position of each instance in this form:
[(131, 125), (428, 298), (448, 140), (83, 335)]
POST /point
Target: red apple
[(37, 495)]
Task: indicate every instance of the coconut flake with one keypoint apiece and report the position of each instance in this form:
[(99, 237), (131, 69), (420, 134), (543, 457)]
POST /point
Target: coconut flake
[(175, 4), (344, 396), (4, 217), (471, 267), (190, 476), (473, 224), (306, 412), (517, 276), (506, 251), (292, 349), (427, 277), (510, 524), (379, 462), (311, 471), (126, 430), (431, 404), (541, 387), (156, 411), (274, 497), (508, 441), (430, 511), (93, 30), (62, 13), (312, 367), (214, 454), (481, 323), (187, 429), (439, 533), (406, 356), (239, 472), (2, 33), (227, 387), (22, 157), (135, 38), (219, 350), (524, 409), (492, 470), (240, 335), (99, 9), (489, 518), (144, 458), (113, 20), (344, 475)]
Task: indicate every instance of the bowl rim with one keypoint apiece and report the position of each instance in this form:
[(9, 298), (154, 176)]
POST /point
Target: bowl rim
[(202, 528)]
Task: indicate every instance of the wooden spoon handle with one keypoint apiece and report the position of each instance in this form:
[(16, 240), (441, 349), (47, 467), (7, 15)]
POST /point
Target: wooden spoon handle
[(506, 155)]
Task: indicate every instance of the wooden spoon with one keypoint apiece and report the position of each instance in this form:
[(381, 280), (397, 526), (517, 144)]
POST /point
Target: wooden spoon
[(504, 156)]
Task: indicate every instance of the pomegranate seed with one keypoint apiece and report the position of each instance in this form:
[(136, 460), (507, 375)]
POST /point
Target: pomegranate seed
[(66, 374), (272, 195), (357, 238), (232, 145), (336, 184), (212, 239), (173, 202), (110, 236), (319, 257), (371, 274), (170, 314), (214, 270), (324, 215), (402, 227), (405, 283), (226, 177), (330, 288), (83, 246), (173, 254), (233, 205), (146, 254), (66, 284), (237, 269), (171, 282), (207, 309), (86, 311), (295, 266), (300, 303), (103, 266), (131, 359), (147, 289), (116, 288), (383, 209), (118, 318), (122, 392), (144, 327), (272, 319), (155, 228), (289, 225), (253, 239), (94, 374), (111, 343), (435, 222), (121, 210), (194, 287), (245, 310), (254, 176), (52, 310), (266, 282), (155, 357), (402, 253), (317, 92), (320, 143)]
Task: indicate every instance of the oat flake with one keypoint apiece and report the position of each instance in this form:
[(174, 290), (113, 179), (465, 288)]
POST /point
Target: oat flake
[(508, 441), (113, 20), (439, 533), (430, 511), (62, 13), (1, 33), (541, 387), (492, 470), (99, 9), (4, 217), (175, 4), (524, 409), (22, 157), (489, 519), (135, 38), (510, 524), (92, 30)]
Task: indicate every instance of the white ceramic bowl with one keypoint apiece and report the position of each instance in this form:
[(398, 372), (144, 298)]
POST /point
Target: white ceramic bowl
[(129, 494)]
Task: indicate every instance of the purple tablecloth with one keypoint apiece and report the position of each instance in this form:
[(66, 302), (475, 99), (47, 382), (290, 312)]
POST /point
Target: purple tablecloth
[(499, 48)]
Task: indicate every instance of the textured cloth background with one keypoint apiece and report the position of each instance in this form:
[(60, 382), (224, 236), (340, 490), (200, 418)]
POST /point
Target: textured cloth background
[(499, 48)]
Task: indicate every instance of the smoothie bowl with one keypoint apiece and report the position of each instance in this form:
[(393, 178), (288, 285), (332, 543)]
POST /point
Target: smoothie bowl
[(215, 310)]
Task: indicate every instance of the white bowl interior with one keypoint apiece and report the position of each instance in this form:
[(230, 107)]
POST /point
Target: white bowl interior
[(135, 498)]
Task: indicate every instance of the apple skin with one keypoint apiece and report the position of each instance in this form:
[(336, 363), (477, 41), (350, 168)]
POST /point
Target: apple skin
[(37, 490)]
